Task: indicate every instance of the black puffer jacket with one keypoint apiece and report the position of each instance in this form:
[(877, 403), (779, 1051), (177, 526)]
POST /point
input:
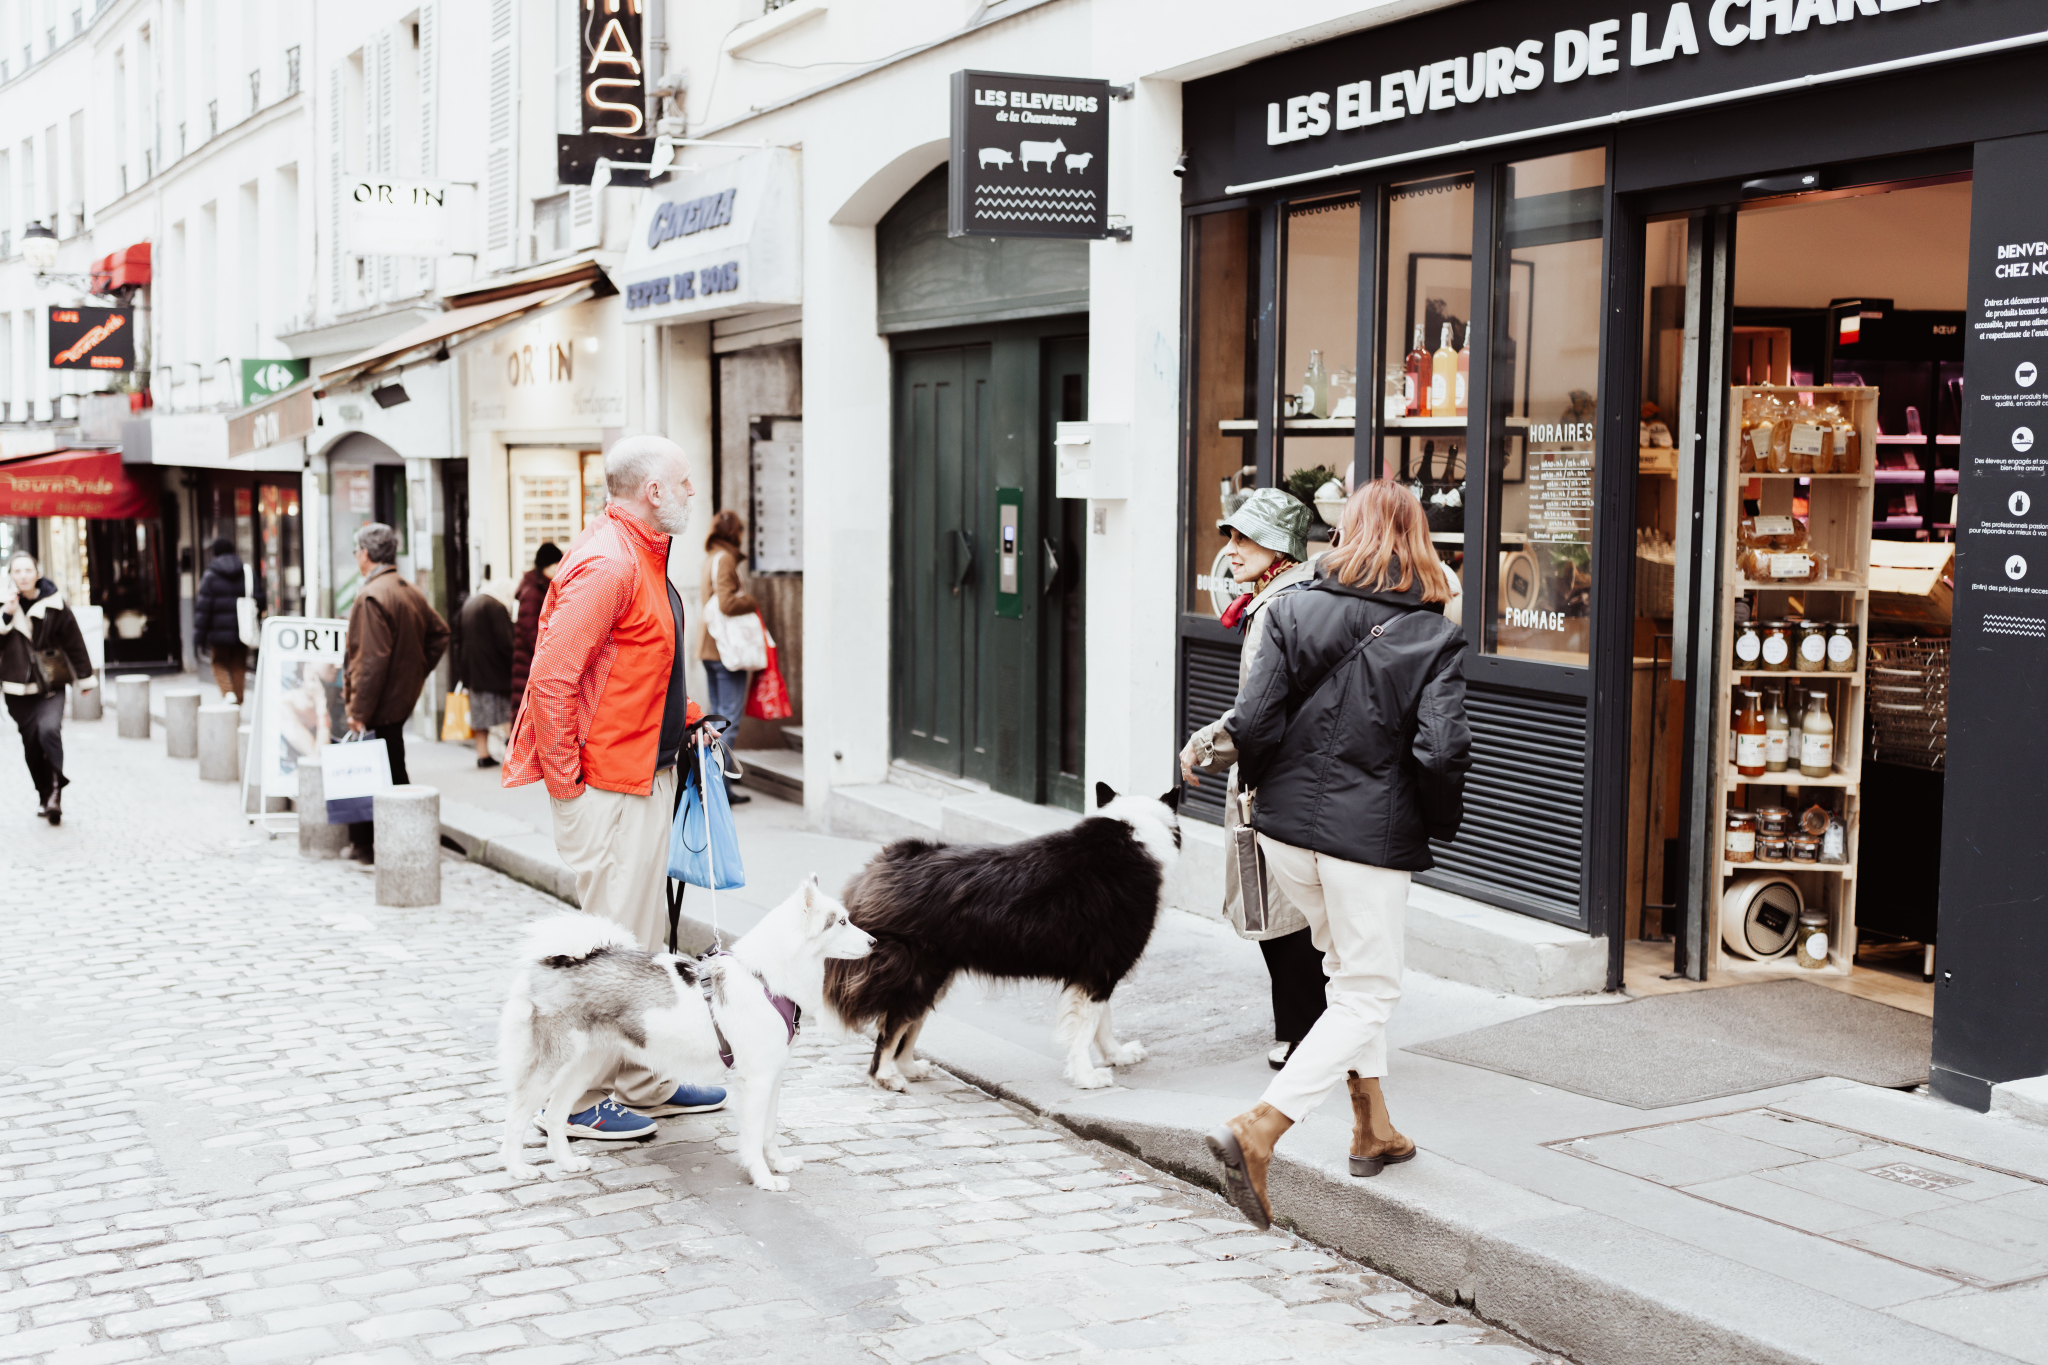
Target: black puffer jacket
[(44, 626), (213, 607), (1371, 767)]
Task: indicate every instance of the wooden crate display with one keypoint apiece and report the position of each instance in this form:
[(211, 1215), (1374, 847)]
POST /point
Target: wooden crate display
[(1838, 524)]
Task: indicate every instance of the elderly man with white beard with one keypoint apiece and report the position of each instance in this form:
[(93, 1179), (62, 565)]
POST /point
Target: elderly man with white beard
[(604, 725)]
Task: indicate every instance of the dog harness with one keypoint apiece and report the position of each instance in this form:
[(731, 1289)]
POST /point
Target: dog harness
[(791, 1012)]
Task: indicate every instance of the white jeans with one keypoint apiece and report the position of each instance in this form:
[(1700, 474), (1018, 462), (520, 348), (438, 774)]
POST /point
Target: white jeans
[(1355, 915)]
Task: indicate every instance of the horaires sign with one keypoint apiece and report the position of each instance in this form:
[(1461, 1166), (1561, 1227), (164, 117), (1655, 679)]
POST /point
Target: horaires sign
[(1030, 156), (1499, 70)]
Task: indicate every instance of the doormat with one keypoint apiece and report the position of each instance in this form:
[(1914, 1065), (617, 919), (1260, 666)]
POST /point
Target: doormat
[(1702, 1045)]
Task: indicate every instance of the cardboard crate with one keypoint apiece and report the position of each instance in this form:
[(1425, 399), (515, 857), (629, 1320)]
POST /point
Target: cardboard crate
[(1912, 582)]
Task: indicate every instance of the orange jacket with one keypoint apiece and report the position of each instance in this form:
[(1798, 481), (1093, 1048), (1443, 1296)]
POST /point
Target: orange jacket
[(601, 665)]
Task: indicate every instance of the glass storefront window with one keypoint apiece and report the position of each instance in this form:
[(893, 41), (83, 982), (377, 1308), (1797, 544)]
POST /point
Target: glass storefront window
[(1223, 427), (1319, 362), (1426, 359), (1546, 372)]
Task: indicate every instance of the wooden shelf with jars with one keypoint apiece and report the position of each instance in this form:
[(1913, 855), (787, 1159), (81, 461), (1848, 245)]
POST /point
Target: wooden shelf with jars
[(1818, 448)]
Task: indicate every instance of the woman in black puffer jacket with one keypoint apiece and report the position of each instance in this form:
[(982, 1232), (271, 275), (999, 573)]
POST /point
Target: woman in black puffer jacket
[(215, 628), (38, 637), (1351, 732)]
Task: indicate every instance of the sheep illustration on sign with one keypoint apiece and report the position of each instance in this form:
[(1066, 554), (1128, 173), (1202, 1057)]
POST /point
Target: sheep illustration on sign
[(1049, 178)]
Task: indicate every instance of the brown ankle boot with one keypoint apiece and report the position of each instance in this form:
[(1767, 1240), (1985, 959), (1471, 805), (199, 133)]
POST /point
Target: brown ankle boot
[(1374, 1143), (1245, 1147)]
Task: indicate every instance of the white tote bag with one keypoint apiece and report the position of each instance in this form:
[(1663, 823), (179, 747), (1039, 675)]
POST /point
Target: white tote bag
[(352, 772), (248, 624), (742, 640)]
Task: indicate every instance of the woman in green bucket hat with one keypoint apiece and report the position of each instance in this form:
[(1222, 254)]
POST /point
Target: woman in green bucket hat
[(1269, 553)]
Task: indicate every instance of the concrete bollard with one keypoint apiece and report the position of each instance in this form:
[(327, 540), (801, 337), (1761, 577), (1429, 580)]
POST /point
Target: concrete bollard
[(86, 703), (131, 705), (408, 845), (317, 838), (181, 723), (218, 761)]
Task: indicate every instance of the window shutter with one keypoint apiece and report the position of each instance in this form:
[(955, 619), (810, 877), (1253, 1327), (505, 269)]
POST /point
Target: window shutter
[(429, 114), (586, 225), (336, 157), (501, 167), (381, 135)]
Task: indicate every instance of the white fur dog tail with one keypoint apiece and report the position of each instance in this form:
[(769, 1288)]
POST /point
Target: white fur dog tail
[(574, 937)]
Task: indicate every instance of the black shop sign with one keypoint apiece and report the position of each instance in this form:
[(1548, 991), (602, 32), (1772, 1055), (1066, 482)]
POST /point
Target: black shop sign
[(612, 83), (1496, 71), (1030, 157), (92, 338)]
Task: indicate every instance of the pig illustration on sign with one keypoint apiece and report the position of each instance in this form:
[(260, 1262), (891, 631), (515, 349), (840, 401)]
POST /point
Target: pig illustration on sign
[(1078, 161), (1047, 152), (994, 156)]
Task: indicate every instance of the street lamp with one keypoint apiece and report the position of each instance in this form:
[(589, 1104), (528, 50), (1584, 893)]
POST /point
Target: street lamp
[(39, 245)]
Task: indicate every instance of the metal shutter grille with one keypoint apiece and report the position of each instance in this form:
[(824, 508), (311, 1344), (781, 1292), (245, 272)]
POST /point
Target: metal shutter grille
[(1525, 801), (1208, 687)]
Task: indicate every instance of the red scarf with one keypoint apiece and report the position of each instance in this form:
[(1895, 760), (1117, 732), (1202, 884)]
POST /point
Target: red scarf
[(1233, 615)]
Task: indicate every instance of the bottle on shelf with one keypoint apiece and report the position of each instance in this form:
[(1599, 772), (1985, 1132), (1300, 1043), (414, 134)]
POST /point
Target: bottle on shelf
[(1777, 732), (1315, 389), (1415, 376), (1750, 736), (1816, 738), (1464, 370), (1443, 374)]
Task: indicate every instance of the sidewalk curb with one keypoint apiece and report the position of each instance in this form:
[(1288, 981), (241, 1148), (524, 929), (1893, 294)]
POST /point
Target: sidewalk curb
[(509, 846), (1581, 1283)]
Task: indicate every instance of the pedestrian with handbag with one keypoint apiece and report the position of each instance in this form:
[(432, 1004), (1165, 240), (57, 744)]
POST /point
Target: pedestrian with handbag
[(1268, 550), (395, 637), (217, 625), (727, 609), (1351, 737), (41, 650)]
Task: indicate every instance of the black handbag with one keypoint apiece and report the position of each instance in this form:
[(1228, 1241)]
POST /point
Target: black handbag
[(1442, 497)]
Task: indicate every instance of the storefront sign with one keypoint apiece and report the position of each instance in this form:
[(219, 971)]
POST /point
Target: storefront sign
[(282, 419), (1500, 70), (563, 370), (1990, 1014), (297, 695), (72, 483), (92, 338), (1561, 499), (720, 242), (1030, 157), (389, 216), (262, 379), (613, 81)]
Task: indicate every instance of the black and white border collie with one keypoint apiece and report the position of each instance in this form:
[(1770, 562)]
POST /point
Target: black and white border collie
[(1075, 907)]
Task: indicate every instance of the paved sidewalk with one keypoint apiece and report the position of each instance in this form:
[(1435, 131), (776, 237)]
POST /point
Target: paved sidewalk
[(250, 1117)]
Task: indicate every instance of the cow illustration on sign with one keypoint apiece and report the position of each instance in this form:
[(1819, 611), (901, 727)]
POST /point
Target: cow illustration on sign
[(1048, 152), (994, 156)]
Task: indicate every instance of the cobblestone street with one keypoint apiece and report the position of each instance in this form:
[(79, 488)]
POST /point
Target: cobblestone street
[(249, 1117)]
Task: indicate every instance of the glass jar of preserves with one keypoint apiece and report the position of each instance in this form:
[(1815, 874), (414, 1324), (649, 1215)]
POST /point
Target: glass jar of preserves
[(1774, 820), (1803, 848), (1770, 848), (1739, 844), (1842, 647), (1777, 646), (1812, 655), (1749, 646), (1813, 939)]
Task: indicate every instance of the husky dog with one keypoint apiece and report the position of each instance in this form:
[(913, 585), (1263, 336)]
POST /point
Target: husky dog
[(1075, 907), (587, 995)]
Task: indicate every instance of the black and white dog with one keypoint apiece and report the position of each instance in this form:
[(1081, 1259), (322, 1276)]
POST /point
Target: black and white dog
[(1075, 907), (587, 995)]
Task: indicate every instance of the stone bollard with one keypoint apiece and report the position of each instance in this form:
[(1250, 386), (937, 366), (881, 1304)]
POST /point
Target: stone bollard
[(181, 723), (408, 845), (218, 722), (317, 838), (131, 705), (86, 703)]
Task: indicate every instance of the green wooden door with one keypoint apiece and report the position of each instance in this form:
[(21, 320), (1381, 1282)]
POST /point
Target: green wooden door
[(940, 556), (1063, 545)]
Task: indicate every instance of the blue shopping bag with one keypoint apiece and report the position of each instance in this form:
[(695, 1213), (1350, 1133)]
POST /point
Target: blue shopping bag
[(703, 846)]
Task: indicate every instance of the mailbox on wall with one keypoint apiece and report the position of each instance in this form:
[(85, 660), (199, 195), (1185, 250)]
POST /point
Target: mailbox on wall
[(1093, 460)]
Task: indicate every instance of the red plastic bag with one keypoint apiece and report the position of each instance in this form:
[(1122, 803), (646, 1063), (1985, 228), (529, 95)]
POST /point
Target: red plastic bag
[(768, 696)]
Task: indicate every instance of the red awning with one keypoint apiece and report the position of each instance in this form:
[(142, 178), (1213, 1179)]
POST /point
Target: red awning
[(72, 483)]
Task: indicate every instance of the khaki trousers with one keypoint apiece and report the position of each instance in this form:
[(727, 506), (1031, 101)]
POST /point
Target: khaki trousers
[(618, 847), (1355, 914)]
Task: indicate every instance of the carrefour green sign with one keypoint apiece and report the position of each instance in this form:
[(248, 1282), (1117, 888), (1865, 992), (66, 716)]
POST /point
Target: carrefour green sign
[(263, 378)]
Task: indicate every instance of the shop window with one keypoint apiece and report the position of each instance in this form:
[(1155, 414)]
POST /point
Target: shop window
[(1424, 383), (1222, 400), (1545, 381), (1319, 361)]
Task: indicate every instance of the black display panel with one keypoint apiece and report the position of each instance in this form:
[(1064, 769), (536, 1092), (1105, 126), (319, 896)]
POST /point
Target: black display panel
[(1030, 157)]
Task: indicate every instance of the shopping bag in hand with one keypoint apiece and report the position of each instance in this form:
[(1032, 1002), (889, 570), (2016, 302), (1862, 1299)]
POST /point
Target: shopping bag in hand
[(352, 772), (703, 846), (455, 725), (768, 696)]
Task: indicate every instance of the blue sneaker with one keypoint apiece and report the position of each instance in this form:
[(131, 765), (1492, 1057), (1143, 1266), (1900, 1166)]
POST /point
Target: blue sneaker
[(688, 1099), (608, 1121)]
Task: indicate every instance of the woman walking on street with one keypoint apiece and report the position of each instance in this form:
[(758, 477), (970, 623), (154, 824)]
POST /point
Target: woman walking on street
[(215, 625), (1268, 542), (484, 659), (532, 592), (40, 642), (1351, 736), (727, 687)]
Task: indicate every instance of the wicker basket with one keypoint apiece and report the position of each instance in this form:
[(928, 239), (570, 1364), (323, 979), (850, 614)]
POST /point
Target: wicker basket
[(1908, 690)]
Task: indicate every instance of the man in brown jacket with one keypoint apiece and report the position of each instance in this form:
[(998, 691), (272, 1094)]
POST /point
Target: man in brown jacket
[(394, 640)]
